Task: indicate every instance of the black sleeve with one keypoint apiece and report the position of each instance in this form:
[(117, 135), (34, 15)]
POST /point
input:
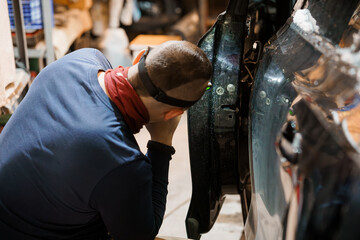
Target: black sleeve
[(131, 199)]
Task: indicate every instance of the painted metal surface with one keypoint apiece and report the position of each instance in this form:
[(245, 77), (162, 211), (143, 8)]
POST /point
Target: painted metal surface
[(212, 121), (286, 186)]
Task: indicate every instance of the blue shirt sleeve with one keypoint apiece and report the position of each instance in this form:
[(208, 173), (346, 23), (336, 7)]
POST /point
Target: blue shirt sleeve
[(131, 199)]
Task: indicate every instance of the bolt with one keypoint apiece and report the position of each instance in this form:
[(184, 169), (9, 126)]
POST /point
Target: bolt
[(230, 88), (284, 99), (220, 91), (268, 101), (262, 94)]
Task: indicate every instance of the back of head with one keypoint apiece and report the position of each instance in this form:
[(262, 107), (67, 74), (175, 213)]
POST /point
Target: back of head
[(174, 64)]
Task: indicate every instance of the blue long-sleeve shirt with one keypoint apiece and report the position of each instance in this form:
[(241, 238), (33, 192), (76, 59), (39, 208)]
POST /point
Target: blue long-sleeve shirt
[(70, 167)]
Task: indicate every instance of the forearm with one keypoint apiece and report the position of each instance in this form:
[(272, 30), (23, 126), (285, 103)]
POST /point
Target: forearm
[(159, 155), (132, 198)]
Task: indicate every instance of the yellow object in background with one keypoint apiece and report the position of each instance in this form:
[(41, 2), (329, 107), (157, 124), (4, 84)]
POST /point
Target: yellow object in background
[(81, 4), (171, 238), (142, 41), (145, 40)]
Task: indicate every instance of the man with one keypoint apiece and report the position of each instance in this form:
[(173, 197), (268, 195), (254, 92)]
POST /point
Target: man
[(70, 167)]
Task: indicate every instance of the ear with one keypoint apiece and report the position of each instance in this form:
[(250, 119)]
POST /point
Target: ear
[(173, 113), (137, 59)]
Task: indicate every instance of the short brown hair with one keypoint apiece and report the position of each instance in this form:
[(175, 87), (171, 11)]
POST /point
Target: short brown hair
[(173, 64)]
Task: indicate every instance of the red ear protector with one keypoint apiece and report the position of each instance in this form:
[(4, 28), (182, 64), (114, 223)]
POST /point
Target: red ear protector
[(154, 91)]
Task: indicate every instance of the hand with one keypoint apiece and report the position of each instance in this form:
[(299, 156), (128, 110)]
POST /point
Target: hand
[(163, 131)]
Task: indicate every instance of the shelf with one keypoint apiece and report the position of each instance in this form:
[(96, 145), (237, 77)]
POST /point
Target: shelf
[(78, 22)]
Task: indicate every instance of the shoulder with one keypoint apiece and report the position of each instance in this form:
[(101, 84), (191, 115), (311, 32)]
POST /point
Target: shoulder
[(86, 56), (85, 52)]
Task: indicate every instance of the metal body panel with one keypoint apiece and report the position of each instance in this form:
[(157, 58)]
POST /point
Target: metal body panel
[(271, 99), (213, 138), (282, 190)]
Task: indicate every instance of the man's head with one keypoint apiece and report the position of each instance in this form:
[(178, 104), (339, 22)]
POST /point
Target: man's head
[(178, 68)]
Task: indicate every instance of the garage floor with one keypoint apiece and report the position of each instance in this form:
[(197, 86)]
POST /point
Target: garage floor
[(229, 224)]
